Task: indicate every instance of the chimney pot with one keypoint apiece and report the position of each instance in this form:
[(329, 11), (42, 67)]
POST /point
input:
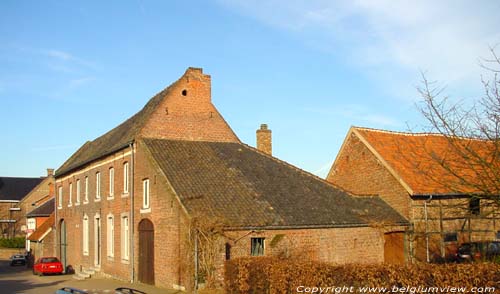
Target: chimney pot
[(264, 139), (50, 172)]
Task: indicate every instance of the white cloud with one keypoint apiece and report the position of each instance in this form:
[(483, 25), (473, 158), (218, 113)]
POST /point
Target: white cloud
[(60, 55), (443, 38)]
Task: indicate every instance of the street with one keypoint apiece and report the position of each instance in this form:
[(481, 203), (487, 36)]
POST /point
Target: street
[(20, 280)]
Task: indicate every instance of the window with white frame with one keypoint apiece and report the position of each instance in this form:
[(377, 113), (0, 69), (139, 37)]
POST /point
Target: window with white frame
[(97, 185), (125, 238), (110, 227), (78, 192), (145, 194), (60, 197), (125, 178), (85, 237), (70, 201), (111, 182), (86, 191)]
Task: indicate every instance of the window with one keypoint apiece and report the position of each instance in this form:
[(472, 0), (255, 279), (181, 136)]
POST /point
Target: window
[(85, 237), (111, 182), (450, 237), (31, 224), (125, 238), (145, 194), (125, 178), (257, 246), (86, 193), (78, 190), (498, 235), (475, 206), (98, 186), (111, 235), (60, 197), (70, 201)]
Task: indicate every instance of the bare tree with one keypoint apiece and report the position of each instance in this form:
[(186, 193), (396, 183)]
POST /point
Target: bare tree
[(472, 132)]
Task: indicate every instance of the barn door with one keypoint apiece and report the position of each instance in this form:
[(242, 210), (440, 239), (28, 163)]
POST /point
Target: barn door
[(394, 249), (146, 252)]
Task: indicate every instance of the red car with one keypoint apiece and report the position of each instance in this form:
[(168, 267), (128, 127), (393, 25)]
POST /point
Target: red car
[(47, 265)]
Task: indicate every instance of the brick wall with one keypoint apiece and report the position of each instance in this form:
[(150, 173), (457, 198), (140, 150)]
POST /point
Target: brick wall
[(357, 170), (172, 264), (94, 209), (187, 112)]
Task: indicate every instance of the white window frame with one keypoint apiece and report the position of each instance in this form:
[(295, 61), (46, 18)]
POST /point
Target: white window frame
[(85, 235), (110, 236), (125, 237), (70, 201), (98, 186), (111, 183), (60, 197), (78, 192), (126, 178), (146, 196), (86, 195)]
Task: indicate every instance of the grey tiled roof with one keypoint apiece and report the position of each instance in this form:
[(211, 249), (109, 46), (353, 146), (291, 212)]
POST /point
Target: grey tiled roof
[(17, 188), (247, 188), (114, 140), (46, 209)]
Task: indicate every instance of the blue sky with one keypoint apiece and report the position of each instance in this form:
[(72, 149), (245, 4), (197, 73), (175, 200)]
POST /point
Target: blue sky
[(72, 70)]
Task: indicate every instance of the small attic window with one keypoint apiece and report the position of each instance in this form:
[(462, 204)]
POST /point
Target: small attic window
[(184, 92)]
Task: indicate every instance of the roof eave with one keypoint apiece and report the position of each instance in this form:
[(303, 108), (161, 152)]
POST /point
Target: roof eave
[(59, 174)]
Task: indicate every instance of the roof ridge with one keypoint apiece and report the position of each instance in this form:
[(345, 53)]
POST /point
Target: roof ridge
[(416, 134)]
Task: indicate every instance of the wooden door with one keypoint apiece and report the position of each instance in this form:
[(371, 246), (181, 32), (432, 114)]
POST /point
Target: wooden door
[(146, 252), (394, 247)]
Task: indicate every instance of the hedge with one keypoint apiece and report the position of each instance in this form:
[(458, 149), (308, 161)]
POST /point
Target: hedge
[(18, 242), (271, 275)]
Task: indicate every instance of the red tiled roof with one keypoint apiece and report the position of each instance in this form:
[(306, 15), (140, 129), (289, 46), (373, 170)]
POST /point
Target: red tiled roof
[(432, 164), (42, 231)]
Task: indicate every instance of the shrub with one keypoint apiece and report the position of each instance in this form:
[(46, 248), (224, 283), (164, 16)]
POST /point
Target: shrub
[(280, 276), (18, 242)]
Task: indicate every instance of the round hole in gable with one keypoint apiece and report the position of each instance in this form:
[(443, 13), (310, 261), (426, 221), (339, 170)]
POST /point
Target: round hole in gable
[(184, 92)]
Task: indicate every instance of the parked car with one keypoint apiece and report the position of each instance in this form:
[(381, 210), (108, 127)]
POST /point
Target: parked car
[(47, 265), (17, 259), (121, 290), (481, 250)]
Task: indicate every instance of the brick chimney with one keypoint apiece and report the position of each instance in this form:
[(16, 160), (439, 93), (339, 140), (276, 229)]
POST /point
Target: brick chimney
[(50, 172), (264, 142)]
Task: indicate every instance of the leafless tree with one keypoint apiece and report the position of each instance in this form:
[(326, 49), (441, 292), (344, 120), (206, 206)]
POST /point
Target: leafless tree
[(472, 131)]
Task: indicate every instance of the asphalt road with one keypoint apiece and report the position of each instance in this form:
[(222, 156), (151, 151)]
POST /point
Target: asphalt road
[(20, 280)]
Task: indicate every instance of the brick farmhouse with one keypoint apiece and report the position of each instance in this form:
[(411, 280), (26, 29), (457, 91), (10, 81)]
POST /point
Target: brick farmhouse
[(128, 203), (18, 196), (413, 173)]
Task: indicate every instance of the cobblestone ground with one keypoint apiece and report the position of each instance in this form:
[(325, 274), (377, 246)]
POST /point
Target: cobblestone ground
[(20, 280)]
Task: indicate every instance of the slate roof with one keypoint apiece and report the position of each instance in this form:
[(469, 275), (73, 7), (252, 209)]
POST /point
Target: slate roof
[(114, 140), (45, 209), (16, 188), (247, 188), (42, 230), (415, 159)]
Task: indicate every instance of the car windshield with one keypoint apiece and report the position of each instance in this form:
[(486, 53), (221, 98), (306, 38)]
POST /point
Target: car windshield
[(49, 259), (18, 256)]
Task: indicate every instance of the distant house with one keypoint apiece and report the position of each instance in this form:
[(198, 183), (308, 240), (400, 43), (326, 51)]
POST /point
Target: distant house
[(40, 222), (404, 169), (17, 197), (127, 202)]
